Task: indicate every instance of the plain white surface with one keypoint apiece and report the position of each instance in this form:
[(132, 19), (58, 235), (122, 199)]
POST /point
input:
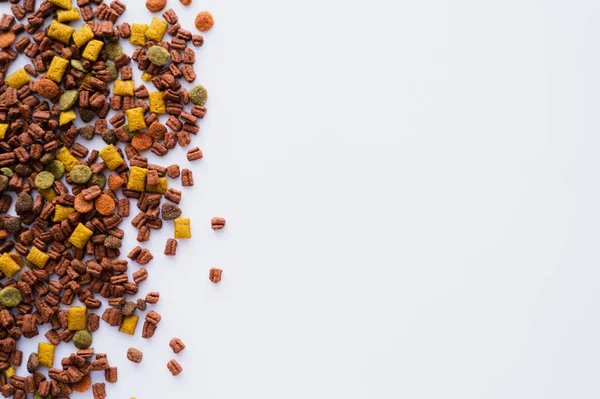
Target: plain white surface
[(411, 203)]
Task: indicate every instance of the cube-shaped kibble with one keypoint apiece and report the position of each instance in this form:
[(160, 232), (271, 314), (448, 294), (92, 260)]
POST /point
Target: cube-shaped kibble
[(157, 103), (137, 178), (135, 119), (156, 30), (83, 35), (57, 69), (66, 117), (160, 188), (138, 34), (60, 32), (123, 88), (111, 157), (71, 14), (8, 266), (62, 212), (65, 156), (92, 50), (3, 129), (80, 236), (76, 318), (182, 228), (18, 79), (129, 324), (46, 354), (65, 4), (37, 257)]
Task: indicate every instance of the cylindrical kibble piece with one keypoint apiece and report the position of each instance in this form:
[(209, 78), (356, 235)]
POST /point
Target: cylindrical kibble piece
[(134, 355)]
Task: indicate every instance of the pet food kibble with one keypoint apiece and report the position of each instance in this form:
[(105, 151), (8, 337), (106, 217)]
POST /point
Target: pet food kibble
[(7, 38), (83, 384), (44, 180), (57, 69), (123, 88), (60, 32), (217, 223), (46, 88), (129, 324), (159, 188), (77, 318), (171, 247), (134, 355), (215, 275), (182, 228), (142, 141), (155, 5), (174, 367), (152, 297), (138, 34), (46, 354), (111, 157), (62, 212), (67, 159), (7, 264), (33, 363), (186, 2), (82, 339), (80, 236), (92, 50), (177, 345), (204, 21), (3, 129), (170, 211), (67, 100), (156, 30), (10, 297), (198, 95), (69, 15), (159, 55), (64, 4), (135, 119), (37, 257), (137, 179), (83, 35), (57, 169), (99, 390), (81, 174), (113, 50), (18, 79), (66, 117), (105, 205)]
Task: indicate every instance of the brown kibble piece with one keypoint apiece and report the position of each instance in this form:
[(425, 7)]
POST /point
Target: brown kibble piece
[(177, 345), (187, 178), (99, 390), (105, 205), (174, 367), (135, 355), (217, 223), (204, 21), (194, 153), (155, 5), (152, 297), (186, 2), (171, 247), (215, 275)]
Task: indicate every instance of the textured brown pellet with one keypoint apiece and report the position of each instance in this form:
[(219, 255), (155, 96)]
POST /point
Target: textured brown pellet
[(171, 247), (174, 367), (135, 355), (177, 345), (217, 223), (187, 179), (215, 275)]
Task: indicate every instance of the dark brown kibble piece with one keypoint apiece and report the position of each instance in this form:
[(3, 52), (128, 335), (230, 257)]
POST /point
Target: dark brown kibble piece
[(217, 223), (135, 355), (177, 345), (215, 275), (174, 367)]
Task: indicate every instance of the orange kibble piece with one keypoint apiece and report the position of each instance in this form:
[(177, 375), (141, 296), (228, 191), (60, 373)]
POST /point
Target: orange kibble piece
[(204, 21), (105, 205), (7, 38), (82, 205), (142, 141), (83, 384), (115, 182)]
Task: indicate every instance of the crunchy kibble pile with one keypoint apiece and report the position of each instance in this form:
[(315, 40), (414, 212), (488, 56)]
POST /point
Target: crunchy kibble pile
[(61, 250)]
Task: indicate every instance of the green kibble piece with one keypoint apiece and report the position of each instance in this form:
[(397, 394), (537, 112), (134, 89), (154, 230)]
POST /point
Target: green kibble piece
[(113, 50), (159, 55), (113, 74), (68, 99), (44, 180), (82, 339), (78, 65), (7, 172), (87, 132), (10, 297), (56, 168), (98, 179), (80, 174), (198, 95)]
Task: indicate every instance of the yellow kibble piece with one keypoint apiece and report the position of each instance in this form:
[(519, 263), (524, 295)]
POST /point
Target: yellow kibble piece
[(111, 157), (92, 50), (8, 266), (71, 14), (66, 4), (46, 354), (3, 129), (160, 188), (123, 88), (66, 117), (138, 32), (146, 77), (62, 212), (182, 228), (137, 178), (76, 318), (135, 119), (80, 236), (18, 79), (156, 30), (83, 35), (157, 103), (57, 69), (65, 156), (129, 324), (10, 372), (60, 32), (37, 257), (48, 193)]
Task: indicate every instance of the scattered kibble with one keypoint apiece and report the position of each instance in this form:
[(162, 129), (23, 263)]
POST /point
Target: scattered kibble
[(174, 367), (217, 223), (156, 5), (204, 21), (215, 275), (135, 355), (82, 339), (177, 345)]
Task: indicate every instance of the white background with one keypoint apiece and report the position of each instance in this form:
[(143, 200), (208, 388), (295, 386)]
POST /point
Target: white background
[(412, 203)]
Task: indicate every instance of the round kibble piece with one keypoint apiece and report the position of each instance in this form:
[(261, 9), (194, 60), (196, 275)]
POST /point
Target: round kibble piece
[(109, 137), (142, 141), (80, 174), (10, 297), (135, 355), (157, 130), (104, 204), (113, 49), (87, 132), (68, 99), (198, 95), (57, 168), (24, 203), (186, 2), (44, 180), (204, 21), (46, 88), (159, 55), (82, 205), (83, 384), (82, 339), (156, 5), (7, 38), (97, 179)]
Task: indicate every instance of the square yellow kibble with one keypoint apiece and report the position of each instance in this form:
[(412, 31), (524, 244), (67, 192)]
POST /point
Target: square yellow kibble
[(135, 119), (57, 69), (8, 266), (80, 236), (83, 35), (123, 88), (71, 14), (49, 194), (18, 79), (66, 117), (3, 129), (156, 30), (92, 50), (160, 188), (60, 32), (137, 178), (66, 4), (138, 32), (65, 156), (76, 318), (46, 354), (157, 103), (111, 157), (37, 257), (62, 212), (129, 324), (182, 228)]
